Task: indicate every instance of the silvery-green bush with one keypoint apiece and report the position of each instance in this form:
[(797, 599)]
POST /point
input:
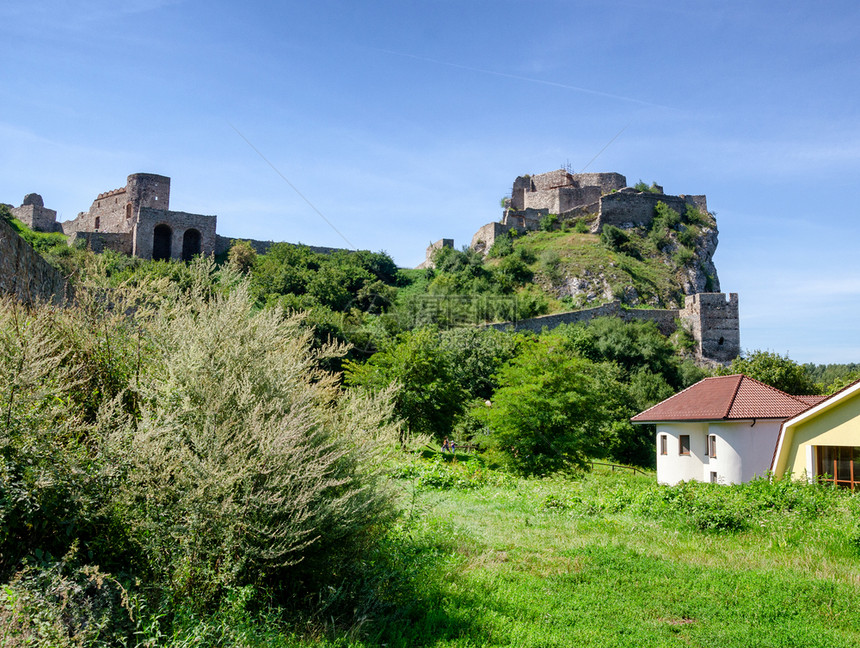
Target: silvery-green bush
[(246, 462)]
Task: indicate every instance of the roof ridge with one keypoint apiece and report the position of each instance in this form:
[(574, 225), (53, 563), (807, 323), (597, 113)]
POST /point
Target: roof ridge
[(734, 395), (777, 390)]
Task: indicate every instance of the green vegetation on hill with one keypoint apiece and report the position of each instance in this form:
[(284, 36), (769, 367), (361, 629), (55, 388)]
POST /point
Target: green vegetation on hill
[(639, 266)]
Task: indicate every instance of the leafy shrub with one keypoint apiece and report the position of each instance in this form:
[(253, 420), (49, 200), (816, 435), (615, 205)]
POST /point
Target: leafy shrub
[(438, 474), (642, 186), (242, 256), (694, 216), (580, 226), (687, 236), (614, 238), (550, 265), (63, 604), (683, 256), (502, 246), (246, 464), (548, 222)]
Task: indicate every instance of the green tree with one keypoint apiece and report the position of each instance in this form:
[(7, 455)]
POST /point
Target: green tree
[(775, 370), (635, 346), (429, 396), (552, 410), (242, 256)]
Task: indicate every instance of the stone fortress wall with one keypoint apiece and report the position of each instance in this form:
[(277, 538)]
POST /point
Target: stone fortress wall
[(35, 215), (711, 318), (25, 274), (137, 220), (600, 198)]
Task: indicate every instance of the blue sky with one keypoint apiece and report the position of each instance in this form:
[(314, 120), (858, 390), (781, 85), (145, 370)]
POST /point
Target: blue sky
[(405, 122)]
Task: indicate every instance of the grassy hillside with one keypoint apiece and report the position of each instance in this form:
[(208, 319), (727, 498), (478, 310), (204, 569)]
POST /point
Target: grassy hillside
[(599, 274)]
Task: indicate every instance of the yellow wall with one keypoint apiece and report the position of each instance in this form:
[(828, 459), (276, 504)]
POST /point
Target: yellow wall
[(838, 425)]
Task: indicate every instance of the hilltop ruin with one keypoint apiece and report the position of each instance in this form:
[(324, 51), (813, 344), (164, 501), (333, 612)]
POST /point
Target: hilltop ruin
[(600, 200)]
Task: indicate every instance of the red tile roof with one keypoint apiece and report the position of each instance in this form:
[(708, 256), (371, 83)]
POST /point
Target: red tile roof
[(727, 398), (813, 400)]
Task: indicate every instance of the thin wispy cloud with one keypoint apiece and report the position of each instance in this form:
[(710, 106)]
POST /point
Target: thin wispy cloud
[(517, 77)]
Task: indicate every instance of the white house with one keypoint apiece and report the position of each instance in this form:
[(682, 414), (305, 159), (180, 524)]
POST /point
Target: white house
[(722, 429)]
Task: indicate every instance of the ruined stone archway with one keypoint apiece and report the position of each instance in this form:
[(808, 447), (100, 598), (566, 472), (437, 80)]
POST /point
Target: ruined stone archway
[(190, 244), (161, 240)]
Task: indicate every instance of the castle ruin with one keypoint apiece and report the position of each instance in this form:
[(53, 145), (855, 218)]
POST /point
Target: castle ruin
[(137, 220), (35, 215), (602, 199), (599, 198)]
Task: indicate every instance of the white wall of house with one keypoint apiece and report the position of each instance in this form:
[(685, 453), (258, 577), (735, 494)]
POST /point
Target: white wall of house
[(673, 467), (743, 450)]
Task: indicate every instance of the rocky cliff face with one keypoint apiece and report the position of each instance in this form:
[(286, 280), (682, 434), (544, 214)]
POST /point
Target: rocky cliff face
[(652, 265), (701, 276)]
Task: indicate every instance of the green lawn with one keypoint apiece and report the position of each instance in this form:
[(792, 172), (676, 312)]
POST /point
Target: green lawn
[(591, 563)]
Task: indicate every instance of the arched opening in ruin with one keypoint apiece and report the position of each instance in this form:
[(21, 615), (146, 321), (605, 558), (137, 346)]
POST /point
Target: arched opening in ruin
[(161, 242), (190, 244), (128, 210)]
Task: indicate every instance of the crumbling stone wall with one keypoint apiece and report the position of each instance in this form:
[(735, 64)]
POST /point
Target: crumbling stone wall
[(25, 274), (181, 227), (224, 243), (715, 324), (431, 250), (710, 317), (606, 182), (484, 238), (559, 191), (98, 242), (562, 199), (35, 215), (628, 209)]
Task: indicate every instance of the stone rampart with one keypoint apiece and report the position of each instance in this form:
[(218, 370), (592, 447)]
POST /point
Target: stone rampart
[(711, 318), (224, 243), (160, 233), (606, 182), (98, 242), (664, 318), (484, 238), (626, 209), (431, 251), (550, 180), (25, 274), (36, 218), (561, 199)]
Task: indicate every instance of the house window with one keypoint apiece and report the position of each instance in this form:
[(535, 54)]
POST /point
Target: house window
[(713, 477), (712, 446), (663, 445), (838, 465), (684, 444)]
